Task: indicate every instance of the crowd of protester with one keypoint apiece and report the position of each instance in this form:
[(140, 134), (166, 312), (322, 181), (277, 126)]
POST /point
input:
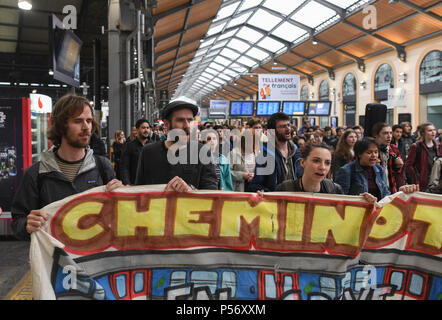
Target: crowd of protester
[(342, 160), (376, 164)]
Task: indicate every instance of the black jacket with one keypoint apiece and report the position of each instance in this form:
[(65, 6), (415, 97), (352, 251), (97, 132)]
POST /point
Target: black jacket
[(44, 183), (97, 145), (154, 168), (129, 158), (327, 186)]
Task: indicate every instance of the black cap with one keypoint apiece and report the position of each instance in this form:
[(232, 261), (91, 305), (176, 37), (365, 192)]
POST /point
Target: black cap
[(178, 105)]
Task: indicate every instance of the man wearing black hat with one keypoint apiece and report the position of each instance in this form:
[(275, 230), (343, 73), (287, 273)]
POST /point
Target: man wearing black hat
[(154, 166)]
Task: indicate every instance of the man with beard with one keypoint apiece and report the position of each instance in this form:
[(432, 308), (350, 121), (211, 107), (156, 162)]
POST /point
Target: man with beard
[(69, 167), (406, 140), (282, 153), (154, 165), (132, 150)]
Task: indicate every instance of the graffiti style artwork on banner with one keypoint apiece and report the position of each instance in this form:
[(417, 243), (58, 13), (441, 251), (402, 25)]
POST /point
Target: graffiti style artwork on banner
[(142, 243)]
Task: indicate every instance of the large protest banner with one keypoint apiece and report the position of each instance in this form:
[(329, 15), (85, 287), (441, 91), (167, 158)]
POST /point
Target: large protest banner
[(143, 243)]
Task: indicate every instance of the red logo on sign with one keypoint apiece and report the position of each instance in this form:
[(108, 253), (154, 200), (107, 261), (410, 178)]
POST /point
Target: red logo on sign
[(40, 104)]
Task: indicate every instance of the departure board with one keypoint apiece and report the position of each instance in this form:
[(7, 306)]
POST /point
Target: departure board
[(267, 108), (241, 108), (293, 108)]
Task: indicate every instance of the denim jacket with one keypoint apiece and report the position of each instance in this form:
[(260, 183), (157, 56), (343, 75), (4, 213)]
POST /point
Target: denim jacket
[(353, 180)]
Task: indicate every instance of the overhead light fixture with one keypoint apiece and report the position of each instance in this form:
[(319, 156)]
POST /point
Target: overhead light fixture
[(25, 4), (51, 73), (363, 84), (314, 42)]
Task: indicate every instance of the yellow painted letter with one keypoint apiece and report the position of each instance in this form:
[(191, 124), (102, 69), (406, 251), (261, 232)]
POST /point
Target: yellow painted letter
[(233, 210), (70, 221), (295, 221), (432, 215), (345, 231), (129, 218), (394, 219), (185, 212)]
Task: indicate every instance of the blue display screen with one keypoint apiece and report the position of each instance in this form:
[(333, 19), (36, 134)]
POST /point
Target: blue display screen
[(267, 108), (294, 108), (319, 108), (241, 108)]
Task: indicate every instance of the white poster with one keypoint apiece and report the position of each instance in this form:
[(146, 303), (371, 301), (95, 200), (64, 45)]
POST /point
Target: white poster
[(278, 87), (396, 97)]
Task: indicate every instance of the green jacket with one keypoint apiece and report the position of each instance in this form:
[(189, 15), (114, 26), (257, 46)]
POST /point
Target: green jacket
[(225, 175)]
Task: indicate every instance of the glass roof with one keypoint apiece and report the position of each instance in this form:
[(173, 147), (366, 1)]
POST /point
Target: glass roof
[(247, 34)]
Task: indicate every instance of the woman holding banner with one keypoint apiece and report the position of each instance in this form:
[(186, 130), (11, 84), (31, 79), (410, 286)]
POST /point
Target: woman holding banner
[(365, 174)]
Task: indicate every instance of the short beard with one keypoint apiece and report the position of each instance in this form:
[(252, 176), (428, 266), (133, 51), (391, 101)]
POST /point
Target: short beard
[(78, 144), (281, 137)]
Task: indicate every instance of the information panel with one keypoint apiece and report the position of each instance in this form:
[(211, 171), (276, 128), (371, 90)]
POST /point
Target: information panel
[(241, 108), (267, 108), (293, 108)]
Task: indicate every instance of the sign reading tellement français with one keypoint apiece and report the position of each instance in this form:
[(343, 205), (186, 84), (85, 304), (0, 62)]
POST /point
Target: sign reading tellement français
[(143, 243), (278, 86)]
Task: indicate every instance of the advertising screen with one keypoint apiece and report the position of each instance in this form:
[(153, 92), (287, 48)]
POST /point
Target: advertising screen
[(319, 108), (267, 108), (293, 108)]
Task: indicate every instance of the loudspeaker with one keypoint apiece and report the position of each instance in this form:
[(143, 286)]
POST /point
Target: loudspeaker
[(374, 113)]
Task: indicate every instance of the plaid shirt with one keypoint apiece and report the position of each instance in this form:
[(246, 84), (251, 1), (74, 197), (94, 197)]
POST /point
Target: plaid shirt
[(396, 177)]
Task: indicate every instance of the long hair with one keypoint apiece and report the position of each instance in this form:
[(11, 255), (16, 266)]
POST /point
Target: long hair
[(342, 148), (421, 129), (68, 106), (117, 134)]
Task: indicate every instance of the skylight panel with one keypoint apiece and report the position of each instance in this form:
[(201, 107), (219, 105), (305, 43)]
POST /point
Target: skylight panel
[(313, 14), (226, 11), (200, 52), (264, 20), (238, 45), (206, 43), (207, 75), (283, 6), (220, 44), (258, 54), (215, 29), (225, 76), (288, 31), (223, 61), (229, 53), (218, 81), (344, 4), (248, 62), (216, 66), (249, 34), (228, 34), (247, 4), (239, 20), (270, 44), (237, 68)]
